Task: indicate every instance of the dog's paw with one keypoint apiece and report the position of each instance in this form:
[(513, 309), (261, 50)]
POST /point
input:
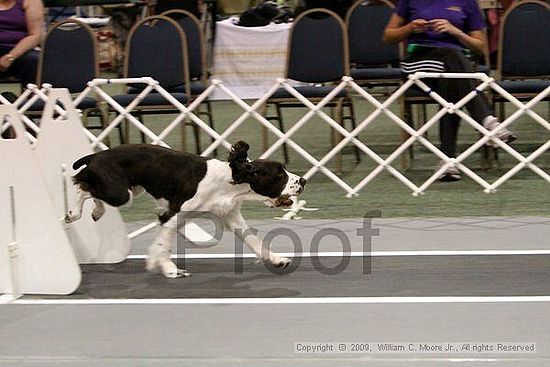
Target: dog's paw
[(178, 273), (280, 262), (170, 270), (70, 217)]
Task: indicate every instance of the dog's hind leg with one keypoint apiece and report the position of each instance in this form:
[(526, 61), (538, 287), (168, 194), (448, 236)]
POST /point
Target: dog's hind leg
[(98, 211), (133, 192), (158, 259), (81, 197)]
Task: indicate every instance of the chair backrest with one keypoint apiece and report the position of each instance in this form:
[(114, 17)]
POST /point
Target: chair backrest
[(157, 48), (69, 56), (195, 41), (317, 47), (524, 44), (365, 22)]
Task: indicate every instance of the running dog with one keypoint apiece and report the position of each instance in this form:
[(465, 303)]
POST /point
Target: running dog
[(183, 182)]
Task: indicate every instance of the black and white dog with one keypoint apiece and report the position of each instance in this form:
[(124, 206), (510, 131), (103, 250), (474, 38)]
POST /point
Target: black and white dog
[(184, 182)]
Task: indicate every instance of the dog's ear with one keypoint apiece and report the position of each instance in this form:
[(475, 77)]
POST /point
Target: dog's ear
[(238, 152), (238, 161)]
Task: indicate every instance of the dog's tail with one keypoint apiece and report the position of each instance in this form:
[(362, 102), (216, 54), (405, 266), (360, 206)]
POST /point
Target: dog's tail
[(82, 161)]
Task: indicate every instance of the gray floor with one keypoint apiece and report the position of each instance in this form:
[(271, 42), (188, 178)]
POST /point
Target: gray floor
[(394, 234), (265, 335), (417, 276), (401, 299)]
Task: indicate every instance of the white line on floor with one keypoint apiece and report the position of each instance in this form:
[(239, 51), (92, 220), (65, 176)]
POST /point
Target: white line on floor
[(6, 298), (298, 300), (362, 254)]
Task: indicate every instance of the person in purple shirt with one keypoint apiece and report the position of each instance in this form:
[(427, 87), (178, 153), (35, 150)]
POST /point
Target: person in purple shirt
[(439, 34), (21, 30)]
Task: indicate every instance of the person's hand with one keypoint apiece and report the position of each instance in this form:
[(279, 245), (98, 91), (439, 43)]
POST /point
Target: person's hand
[(419, 25), (5, 62), (444, 26)]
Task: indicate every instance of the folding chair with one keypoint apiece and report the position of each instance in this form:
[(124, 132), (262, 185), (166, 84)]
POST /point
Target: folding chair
[(374, 63), (69, 60), (157, 48), (317, 55), (523, 55), (198, 68)]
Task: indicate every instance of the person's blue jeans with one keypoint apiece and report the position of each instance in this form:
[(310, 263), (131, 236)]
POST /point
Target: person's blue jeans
[(24, 68)]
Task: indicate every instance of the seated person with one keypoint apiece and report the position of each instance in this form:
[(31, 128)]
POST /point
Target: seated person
[(21, 30), (438, 33)]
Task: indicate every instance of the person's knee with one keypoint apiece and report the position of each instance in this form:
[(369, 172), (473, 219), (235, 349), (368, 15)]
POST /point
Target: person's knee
[(28, 66)]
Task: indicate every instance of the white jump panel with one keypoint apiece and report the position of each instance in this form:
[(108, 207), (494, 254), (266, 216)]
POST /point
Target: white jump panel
[(61, 142), (45, 262)]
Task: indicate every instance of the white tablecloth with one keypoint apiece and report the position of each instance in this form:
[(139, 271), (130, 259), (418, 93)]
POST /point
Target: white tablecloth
[(249, 59)]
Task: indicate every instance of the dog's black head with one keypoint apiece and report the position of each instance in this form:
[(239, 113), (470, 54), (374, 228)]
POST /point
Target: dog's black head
[(266, 178)]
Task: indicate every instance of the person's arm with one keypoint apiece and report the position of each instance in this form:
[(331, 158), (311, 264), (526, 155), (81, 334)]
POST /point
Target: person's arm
[(34, 14), (474, 40), (398, 29)]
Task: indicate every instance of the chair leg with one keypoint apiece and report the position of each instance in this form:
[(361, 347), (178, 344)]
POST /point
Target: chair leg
[(422, 117), (104, 119), (487, 157), (126, 130), (490, 154), (501, 111), (406, 112), (336, 114), (351, 117), (265, 137), (197, 134), (211, 123), (183, 135), (282, 128), (140, 118)]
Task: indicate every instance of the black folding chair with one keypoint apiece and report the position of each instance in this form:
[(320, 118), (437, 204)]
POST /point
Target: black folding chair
[(373, 62), (523, 55), (69, 60), (157, 48), (317, 55), (198, 68)]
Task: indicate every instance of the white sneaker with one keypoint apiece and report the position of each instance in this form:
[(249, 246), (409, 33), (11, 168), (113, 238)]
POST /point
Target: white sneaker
[(450, 174), (491, 123)]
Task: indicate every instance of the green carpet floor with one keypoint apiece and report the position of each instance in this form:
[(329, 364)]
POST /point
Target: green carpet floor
[(525, 194)]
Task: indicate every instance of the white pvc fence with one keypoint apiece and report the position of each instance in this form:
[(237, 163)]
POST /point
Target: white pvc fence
[(189, 113), (26, 248)]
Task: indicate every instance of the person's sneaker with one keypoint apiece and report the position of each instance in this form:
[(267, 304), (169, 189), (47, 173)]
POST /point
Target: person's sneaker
[(450, 174), (491, 123)]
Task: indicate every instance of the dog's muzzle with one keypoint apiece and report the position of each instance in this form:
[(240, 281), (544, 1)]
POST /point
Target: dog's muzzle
[(281, 201)]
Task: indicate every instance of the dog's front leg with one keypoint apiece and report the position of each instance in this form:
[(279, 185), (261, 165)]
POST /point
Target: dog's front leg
[(235, 222), (158, 259), (81, 197)]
